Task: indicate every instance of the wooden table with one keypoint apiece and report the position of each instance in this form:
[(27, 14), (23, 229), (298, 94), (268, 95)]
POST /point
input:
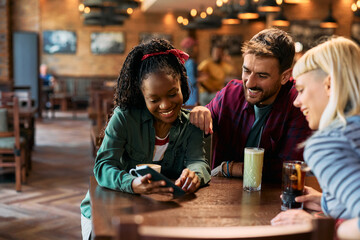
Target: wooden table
[(222, 203)]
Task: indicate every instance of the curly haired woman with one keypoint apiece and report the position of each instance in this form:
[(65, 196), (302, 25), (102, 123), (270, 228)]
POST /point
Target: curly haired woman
[(149, 126)]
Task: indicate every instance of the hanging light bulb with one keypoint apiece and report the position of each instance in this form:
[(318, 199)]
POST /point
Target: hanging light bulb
[(219, 3), (193, 12), (354, 7), (180, 19), (86, 10), (129, 11), (81, 7)]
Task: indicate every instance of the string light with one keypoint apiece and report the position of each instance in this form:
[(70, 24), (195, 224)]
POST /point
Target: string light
[(180, 19), (219, 3), (86, 10), (203, 14), (193, 12), (129, 11), (353, 7), (81, 7)]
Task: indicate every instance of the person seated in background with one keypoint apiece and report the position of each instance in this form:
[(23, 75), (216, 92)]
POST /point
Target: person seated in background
[(328, 82), (256, 111), (212, 74), (190, 46), (149, 126), (48, 84)]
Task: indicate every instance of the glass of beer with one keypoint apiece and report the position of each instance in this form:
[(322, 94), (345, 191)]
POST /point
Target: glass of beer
[(293, 181), (253, 164)]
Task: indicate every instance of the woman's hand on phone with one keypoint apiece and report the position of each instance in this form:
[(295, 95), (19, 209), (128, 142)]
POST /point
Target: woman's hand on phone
[(144, 185)]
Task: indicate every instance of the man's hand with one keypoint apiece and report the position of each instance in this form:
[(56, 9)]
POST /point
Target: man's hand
[(188, 181), (201, 117)]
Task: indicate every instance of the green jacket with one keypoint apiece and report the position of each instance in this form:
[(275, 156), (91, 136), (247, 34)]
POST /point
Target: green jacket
[(130, 140)]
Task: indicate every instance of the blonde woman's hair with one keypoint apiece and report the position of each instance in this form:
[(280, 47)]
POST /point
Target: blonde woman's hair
[(338, 57)]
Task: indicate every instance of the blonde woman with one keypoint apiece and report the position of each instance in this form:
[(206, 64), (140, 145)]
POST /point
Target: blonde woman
[(328, 83)]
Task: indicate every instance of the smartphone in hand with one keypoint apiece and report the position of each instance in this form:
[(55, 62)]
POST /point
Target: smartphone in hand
[(155, 176)]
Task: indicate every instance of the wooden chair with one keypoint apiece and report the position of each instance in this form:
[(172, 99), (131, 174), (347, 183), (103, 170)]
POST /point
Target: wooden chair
[(103, 102), (61, 97), (12, 146), (27, 126), (320, 229), (24, 95)]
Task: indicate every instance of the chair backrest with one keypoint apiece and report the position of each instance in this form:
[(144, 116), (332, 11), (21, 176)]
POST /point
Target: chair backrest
[(320, 229), (10, 102), (100, 97), (24, 97), (108, 105)]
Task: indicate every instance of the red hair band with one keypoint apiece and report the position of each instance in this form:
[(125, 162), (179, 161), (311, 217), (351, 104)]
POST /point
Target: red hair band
[(182, 56)]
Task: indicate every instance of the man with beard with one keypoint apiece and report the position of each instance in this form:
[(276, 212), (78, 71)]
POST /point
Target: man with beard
[(212, 74), (257, 111)]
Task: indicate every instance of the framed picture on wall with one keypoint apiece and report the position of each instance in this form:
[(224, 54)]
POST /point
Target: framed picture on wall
[(107, 42), (145, 36), (355, 32), (231, 43), (59, 41), (308, 32)]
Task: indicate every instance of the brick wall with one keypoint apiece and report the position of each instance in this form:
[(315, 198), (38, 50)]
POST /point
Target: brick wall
[(63, 15), (25, 15), (40, 15), (5, 43)]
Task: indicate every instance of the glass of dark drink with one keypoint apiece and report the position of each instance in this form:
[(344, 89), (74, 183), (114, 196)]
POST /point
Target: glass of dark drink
[(293, 181)]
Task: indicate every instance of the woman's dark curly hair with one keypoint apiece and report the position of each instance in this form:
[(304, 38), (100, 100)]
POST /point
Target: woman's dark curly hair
[(128, 90)]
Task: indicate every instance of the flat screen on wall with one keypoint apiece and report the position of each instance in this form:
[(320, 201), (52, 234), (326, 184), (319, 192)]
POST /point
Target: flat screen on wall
[(59, 41), (107, 42)]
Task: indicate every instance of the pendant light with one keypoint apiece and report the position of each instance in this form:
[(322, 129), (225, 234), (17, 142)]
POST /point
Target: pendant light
[(248, 11), (329, 21), (281, 20), (231, 10), (269, 6), (231, 19), (296, 1)]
